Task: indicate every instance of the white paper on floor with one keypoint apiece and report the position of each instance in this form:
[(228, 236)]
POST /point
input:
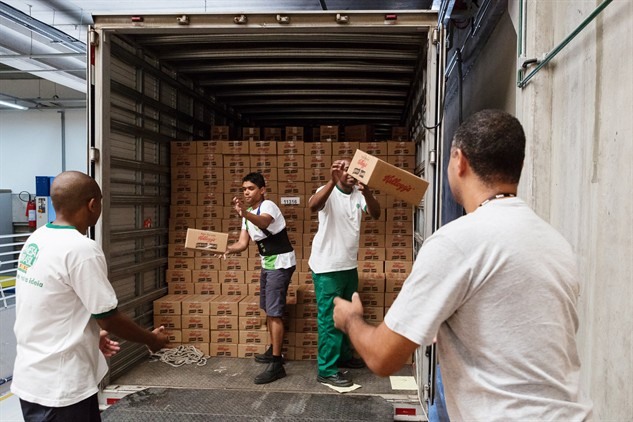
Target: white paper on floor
[(342, 389), (403, 383)]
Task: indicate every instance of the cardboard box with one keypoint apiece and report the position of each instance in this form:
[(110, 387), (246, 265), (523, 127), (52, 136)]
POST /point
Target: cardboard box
[(371, 254), (169, 305), (371, 282), (253, 337), (170, 322), (224, 336), (306, 353), (372, 299), (398, 241), (182, 147), (250, 133), (328, 133), (174, 336), (252, 323), (317, 148), (208, 160), (378, 174), (342, 150), (183, 160), (306, 310), (272, 134), (398, 267), (373, 227), (177, 288), (372, 241), (371, 267), (390, 297), (195, 322), (400, 133), (225, 305), (252, 276), (290, 147), (215, 199), (184, 186), (399, 254), (395, 282), (209, 147), (373, 313), (249, 306), (206, 241), (400, 214), (180, 263), (234, 264), (361, 133), (206, 263), (209, 173), (250, 350), (220, 133), (235, 148), (402, 148), (179, 251), (223, 350), (306, 325), (205, 276), (306, 340), (294, 133), (197, 304), (223, 322), (178, 276), (400, 227), (234, 289), (262, 148), (205, 288), (204, 212), (404, 162), (232, 277)]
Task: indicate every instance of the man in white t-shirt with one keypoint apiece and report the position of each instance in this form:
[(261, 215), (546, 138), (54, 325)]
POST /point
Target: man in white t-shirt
[(497, 286), (334, 261), (263, 222), (63, 298)]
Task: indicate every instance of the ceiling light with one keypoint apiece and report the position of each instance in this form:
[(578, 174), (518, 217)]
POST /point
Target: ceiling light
[(13, 105)]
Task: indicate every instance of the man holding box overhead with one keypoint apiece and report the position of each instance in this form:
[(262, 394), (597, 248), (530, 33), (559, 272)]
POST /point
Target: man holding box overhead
[(334, 263), (263, 222)]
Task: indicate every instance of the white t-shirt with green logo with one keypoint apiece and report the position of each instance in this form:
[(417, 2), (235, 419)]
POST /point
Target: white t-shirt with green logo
[(61, 283), (335, 245)]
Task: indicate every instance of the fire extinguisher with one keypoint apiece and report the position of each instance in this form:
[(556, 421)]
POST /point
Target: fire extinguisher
[(30, 212)]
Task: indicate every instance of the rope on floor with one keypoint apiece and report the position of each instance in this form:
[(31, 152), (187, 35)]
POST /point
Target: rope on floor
[(181, 355)]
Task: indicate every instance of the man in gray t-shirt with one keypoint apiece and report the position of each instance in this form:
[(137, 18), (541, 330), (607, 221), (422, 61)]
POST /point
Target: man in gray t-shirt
[(497, 286)]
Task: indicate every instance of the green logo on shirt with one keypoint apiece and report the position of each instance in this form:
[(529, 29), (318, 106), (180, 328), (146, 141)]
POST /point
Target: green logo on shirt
[(28, 257)]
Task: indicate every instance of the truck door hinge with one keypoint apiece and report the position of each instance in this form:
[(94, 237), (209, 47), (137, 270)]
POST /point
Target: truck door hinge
[(436, 36), (94, 155), (93, 38)]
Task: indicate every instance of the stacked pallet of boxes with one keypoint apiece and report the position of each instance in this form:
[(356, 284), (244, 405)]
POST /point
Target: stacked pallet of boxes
[(219, 299)]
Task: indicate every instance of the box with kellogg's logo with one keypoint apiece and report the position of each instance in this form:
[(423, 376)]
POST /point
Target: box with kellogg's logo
[(378, 174)]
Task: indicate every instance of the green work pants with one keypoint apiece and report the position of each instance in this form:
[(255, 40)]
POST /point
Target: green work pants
[(333, 344)]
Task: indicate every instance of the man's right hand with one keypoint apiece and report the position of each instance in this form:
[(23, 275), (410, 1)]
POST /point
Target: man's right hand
[(337, 170), (160, 339)]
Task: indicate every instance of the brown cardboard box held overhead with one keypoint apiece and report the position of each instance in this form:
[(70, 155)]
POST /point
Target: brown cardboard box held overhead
[(378, 174)]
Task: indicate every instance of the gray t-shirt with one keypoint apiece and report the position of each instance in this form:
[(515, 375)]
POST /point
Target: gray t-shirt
[(498, 287)]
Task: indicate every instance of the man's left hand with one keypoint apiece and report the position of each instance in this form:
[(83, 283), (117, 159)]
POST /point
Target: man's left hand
[(108, 347)]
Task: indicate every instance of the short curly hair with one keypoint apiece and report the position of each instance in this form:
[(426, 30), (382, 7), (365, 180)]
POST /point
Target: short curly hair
[(493, 141)]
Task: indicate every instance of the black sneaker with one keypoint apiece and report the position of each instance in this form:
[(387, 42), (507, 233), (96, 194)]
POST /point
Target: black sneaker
[(273, 372), (337, 380), (353, 363)]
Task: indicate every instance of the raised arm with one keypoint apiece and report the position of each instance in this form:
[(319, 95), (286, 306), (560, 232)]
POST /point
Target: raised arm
[(318, 200)]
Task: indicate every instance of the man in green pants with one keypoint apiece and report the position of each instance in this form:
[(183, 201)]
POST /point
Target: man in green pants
[(334, 263)]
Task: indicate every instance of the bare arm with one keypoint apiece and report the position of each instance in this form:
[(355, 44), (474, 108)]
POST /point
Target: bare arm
[(394, 350), (318, 200), (261, 221), (240, 245), (122, 326), (373, 207)]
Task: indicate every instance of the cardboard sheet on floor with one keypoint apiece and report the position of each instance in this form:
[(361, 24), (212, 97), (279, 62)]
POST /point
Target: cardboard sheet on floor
[(403, 383)]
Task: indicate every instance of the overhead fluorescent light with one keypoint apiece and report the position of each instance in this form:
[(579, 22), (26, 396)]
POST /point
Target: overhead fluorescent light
[(13, 105)]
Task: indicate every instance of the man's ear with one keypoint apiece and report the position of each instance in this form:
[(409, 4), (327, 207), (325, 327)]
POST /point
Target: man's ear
[(461, 162), (92, 204)]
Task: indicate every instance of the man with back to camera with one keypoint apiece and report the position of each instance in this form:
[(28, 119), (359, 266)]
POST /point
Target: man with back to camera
[(334, 262), (498, 286), (63, 298), (263, 222)]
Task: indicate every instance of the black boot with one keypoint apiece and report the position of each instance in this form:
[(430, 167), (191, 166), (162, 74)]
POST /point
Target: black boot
[(267, 356), (274, 371)]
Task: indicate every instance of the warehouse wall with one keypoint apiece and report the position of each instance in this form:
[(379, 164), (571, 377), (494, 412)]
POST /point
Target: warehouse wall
[(577, 113), (31, 145)]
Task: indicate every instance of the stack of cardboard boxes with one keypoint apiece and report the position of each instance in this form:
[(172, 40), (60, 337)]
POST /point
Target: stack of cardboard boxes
[(214, 303)]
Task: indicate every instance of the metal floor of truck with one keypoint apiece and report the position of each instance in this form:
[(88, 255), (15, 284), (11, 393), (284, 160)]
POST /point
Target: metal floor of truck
[(223, 390)]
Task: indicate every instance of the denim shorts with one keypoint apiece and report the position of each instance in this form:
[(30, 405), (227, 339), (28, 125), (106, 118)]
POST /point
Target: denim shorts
[(273, 289)]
